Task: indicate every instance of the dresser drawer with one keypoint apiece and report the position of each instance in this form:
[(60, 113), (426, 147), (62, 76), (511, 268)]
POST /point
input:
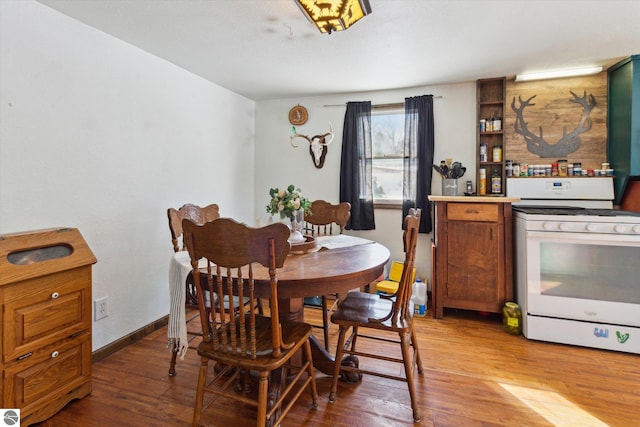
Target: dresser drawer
[(45, 310), (49, 374), (487, 212)]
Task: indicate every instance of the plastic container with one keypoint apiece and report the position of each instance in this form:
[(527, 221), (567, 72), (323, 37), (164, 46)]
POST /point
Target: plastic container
[(512, 318), (419, 298)]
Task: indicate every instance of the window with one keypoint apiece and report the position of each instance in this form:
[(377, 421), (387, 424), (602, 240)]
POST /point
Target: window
[(387, 141)]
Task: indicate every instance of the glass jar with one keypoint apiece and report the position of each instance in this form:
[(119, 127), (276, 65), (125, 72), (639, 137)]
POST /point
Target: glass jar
[(497, 124), (512, 318), (497, 153), (577, 168)]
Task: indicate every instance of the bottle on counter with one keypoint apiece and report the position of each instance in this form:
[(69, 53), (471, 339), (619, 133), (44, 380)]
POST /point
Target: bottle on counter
[(482, 184), (496, 182)]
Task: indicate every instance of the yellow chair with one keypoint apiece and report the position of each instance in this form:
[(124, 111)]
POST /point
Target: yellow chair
[(389, 287)]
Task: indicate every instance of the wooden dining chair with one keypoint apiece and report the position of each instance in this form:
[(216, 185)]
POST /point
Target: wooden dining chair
[(246, 341), (326, 219), (199, 215), (360, 310)]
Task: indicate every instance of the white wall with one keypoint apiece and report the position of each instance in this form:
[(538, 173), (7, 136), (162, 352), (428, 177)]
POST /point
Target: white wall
[(102, 136), (278, 164)]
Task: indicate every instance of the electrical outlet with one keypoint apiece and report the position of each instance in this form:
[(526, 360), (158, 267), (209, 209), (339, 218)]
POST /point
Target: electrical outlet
[(101, 308)]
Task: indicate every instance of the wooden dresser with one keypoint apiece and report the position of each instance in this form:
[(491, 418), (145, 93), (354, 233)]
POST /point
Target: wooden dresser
[(45, 326), (473, 253)]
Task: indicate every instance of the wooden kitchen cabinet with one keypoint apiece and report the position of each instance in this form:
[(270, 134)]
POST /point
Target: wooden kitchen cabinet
[(45, 326), (473, 253), (623, 122)]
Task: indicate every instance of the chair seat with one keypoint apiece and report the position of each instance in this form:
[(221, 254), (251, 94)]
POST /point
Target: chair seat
[(292, 332), (360, 307), (387, 286)]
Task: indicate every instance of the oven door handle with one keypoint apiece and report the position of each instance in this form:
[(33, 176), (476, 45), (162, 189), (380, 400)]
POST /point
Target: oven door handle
[(582, 238)]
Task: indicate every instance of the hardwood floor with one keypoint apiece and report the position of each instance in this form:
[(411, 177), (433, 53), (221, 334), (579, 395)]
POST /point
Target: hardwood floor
[(475, 375)]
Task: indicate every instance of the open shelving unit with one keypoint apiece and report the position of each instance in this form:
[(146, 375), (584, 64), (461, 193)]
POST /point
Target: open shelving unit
[(490, 98)]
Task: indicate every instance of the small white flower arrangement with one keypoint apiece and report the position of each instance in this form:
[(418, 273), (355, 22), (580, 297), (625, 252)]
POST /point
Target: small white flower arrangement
[(286, 201)]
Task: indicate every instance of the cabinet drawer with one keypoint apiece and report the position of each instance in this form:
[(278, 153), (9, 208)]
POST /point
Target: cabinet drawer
[(48, 374), (472, 212), (44, 311)]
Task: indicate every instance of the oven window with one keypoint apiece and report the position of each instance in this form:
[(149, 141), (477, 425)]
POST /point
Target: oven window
[(596, 272)]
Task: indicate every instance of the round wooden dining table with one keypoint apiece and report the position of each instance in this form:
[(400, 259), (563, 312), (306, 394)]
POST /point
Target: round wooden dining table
[(338, 264)]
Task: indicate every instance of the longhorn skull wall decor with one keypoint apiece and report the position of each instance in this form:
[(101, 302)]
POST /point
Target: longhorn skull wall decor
[(317, 145)]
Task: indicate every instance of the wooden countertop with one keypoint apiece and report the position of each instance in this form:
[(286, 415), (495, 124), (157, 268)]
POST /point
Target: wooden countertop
[(474, 199)]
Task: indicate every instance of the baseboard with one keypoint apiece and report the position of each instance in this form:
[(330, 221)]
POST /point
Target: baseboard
[(134, 336)]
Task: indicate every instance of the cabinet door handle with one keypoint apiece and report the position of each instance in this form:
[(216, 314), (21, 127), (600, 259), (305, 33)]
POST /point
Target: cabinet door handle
[(55, 295), (55, 354)]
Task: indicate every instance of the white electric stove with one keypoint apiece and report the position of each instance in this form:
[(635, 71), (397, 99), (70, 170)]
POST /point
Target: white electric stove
[(577, 262)]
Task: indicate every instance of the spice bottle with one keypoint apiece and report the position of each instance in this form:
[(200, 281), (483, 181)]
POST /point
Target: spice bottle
[(509, 167), (483, 152), (497, 124), (512, 318), (562, 168)]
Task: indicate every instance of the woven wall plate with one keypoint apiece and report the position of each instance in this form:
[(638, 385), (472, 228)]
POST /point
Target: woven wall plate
[(298, 115)]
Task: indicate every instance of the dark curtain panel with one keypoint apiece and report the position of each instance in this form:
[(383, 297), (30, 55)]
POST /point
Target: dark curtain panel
[(418, 158), (355, 166)]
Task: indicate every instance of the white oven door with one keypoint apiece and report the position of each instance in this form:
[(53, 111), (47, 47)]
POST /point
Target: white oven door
[(590, 277)]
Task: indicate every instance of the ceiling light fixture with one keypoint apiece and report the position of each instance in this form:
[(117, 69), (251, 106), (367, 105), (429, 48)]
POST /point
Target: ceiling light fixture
[(334, 15), (558, 74)]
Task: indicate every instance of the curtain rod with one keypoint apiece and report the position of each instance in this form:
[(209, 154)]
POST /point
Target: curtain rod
[(375, 106)]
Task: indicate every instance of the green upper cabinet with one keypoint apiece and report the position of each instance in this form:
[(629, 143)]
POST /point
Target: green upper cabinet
[(623, 121)]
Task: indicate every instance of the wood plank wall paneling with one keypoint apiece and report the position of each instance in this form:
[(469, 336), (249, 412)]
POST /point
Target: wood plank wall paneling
[(554, 112)]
